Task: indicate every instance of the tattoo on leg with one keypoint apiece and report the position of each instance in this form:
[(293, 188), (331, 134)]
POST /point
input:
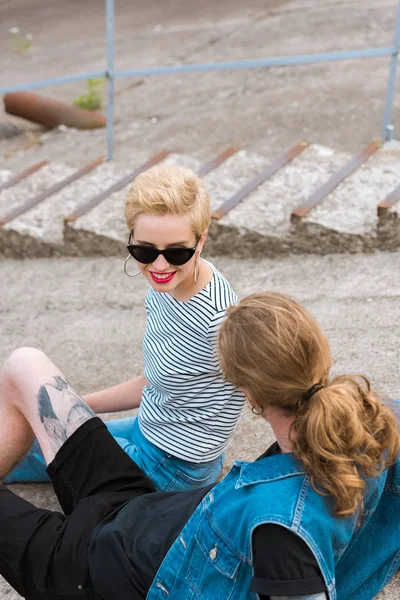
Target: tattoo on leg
[(61, 410)]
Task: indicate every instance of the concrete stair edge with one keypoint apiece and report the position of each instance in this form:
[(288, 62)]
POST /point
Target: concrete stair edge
[(303, 237)]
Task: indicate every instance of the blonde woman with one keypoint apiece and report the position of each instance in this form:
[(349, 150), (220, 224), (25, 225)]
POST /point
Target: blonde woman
[(316, 517), (187, 409)]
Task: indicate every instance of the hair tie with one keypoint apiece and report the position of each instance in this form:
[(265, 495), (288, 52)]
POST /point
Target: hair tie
[(311, 391)]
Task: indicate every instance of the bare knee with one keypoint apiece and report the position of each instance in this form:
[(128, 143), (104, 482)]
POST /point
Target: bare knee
[(19, 360)]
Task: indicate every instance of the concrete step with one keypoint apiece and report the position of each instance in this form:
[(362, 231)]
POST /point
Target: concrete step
[(234, 173), (103, 231), (388, 236), (25, 242), (15, 197), (260, 223), (389, 219), (40, 230), (347, 219), (5, 175)]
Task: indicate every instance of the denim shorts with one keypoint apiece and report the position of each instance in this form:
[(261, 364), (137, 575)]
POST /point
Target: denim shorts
[(167, 472)]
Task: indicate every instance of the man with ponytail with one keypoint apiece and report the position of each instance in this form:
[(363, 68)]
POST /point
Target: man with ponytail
[(316, 517)]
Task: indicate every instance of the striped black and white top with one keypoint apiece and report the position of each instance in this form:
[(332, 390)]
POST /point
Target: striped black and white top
[(188, 409)]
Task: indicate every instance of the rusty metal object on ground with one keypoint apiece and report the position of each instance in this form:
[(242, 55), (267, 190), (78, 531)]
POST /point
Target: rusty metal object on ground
[(51, 113), (50, 191), (217, 161), (389, 201), (118, 185), (277, 164), (17, 178), (303, 209)]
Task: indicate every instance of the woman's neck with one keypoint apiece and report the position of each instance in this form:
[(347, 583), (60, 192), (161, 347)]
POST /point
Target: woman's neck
[(187, 290)]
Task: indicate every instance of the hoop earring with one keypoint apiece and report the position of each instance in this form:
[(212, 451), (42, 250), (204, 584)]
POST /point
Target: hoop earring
[(125, 268), (256, 412), (196, 270)]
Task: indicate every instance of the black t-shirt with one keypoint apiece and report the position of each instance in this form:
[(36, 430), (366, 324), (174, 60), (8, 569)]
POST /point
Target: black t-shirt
[(127, 549)]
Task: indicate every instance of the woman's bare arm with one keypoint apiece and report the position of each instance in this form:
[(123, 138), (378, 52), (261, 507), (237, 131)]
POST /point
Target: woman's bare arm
[(119, 397)]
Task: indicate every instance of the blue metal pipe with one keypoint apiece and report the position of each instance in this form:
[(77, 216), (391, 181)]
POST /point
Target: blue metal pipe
[(387, 129), (24, 87), (110, 13), (279, 61)]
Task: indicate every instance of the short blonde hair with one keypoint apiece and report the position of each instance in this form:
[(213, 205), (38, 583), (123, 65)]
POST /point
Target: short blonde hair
[(169, 190)]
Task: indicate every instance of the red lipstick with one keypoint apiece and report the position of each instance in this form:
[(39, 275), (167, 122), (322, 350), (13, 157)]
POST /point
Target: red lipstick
[(157, 279)]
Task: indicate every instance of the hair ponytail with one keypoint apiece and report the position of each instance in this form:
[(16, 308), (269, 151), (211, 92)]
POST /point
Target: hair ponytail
[(272, 347), (344, 432)]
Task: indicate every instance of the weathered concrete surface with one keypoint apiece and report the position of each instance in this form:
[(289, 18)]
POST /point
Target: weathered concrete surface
[(15, 197), (264, 111), (337, 104), (346, 221), (46, 220), (39, 231), (266, 211), (25, 236), (260, 223), (348, 217), (90, 319)]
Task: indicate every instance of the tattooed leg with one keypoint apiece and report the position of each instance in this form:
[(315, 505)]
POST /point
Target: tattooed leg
[(41, 396), (61, 410)]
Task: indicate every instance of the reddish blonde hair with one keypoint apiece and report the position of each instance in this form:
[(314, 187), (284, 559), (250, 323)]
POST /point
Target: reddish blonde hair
[(272, 346)]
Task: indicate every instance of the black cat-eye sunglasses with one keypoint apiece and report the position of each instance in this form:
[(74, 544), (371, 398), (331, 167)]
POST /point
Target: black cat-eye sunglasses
[(148, 254)]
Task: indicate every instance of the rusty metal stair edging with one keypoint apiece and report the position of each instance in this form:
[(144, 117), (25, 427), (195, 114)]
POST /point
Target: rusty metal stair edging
[(217, 161), (389, 201), (21, 176), (280, 162), (35, 200), (118, 185), (303, 209)]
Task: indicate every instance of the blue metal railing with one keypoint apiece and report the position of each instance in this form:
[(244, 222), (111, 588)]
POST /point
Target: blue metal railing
[(280, 61)]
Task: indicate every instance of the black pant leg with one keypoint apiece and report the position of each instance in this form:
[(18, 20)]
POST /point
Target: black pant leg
[(43, 554), (20, 522), (91, 463)]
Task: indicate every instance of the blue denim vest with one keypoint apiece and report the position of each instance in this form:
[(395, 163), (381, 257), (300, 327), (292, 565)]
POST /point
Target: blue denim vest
[(212, 557)]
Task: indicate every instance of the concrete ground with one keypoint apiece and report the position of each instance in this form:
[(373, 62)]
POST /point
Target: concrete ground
[(339, 104), (90, 319)]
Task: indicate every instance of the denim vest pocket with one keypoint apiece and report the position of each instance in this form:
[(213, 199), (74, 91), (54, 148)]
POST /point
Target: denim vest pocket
[(213, 566)]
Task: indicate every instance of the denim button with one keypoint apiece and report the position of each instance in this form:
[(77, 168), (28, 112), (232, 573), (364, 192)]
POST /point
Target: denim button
[(213, 553), (160, 585)]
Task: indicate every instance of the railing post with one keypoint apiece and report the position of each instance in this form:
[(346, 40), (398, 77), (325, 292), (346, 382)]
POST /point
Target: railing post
[(387, 130), (110, 10)]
